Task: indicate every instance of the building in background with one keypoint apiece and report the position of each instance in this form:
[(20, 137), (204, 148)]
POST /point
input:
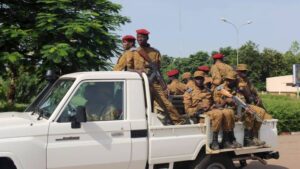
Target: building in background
[(281, 85)]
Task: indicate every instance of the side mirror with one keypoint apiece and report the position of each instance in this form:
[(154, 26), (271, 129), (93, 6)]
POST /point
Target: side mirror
[(78, 118)]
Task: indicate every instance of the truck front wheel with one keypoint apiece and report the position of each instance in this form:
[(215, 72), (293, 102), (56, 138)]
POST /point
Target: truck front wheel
[(214, 162)]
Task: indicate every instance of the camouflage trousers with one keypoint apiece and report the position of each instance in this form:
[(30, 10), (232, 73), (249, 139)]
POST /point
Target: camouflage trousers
[(221, 118), (161, 99), (249, 120)]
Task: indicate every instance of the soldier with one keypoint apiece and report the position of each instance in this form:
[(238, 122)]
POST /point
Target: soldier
[(228, 108), (99, 105), (208, 79), (219, 70), (198, 101), (248, 91), (188, 80), (175, 87), (125, 61), (147, 57)]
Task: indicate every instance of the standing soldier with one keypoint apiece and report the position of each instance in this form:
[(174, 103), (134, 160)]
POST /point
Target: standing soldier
[(252, 126), (148, 61), (219, 70), (175, 87), (228, 108), (125, 61), (208, 79)]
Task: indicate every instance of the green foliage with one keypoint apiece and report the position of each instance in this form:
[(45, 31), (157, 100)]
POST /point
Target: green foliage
[(64, 35), (189, 64), (17, 107), (284, 108), (76, 35)]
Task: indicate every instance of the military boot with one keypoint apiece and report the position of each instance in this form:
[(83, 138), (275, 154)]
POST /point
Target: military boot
[(226, 142), (247, 138), (233, 140), (254, 137), (215, 144)]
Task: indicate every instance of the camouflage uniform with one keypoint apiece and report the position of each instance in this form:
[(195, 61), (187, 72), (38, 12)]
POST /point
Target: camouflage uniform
[(126, 60), (228, 107), (218, 72), (248, 91), (158, 94), (199, 100), (176, 87), (103, 113)]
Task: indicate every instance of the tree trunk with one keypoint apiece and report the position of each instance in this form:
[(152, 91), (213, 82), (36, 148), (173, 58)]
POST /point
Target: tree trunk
[(11, 92)]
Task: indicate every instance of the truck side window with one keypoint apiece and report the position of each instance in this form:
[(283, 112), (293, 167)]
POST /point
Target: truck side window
[(103, 101)]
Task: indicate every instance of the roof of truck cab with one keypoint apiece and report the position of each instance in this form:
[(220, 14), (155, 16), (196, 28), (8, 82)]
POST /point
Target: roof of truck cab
[(103, 75)]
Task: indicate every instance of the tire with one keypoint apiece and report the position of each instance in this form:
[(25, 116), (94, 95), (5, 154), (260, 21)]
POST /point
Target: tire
[(214, 162)]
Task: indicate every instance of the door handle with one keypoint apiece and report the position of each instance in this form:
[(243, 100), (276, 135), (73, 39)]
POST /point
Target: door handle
[(68, 138), (117, 134)]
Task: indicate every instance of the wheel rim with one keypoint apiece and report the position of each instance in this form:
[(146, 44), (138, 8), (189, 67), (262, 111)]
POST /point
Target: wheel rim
[(216, 166)]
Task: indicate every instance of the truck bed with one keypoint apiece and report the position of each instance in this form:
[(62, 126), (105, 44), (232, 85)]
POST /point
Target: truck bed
[(183, 142)]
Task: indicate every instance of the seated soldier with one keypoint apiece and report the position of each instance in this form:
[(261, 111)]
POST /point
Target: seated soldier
[(99, 105), (228, 108), (187, 79), (198, 101), (207, 79), (175, 87), (248, 91)]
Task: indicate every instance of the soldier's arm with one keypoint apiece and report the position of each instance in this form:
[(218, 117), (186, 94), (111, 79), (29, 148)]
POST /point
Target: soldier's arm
[(121, 63), (181, 87)]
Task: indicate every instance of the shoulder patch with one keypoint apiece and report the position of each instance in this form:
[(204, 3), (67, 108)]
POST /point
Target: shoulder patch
[(189, 90)]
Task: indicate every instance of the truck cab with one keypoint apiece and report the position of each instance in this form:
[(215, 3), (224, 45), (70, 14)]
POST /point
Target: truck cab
[(90, 120)]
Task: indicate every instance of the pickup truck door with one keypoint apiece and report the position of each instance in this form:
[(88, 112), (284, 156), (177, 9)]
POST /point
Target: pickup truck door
[(103, 141)]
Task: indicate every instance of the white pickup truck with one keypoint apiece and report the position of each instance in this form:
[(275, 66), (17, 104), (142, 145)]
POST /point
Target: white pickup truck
[(61, 134)]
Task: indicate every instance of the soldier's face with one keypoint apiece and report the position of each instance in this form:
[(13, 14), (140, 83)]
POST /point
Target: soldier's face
[(142, 39), (127, 44), (199, 81), (242, 73), (231, 83)]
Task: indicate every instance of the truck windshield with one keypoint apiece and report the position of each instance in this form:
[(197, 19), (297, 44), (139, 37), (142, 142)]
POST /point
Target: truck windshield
[(53, 97)]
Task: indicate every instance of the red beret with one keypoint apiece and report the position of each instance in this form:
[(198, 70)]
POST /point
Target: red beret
[(203, 68), (143, 31), (218, 56), (172, 72), (128, 37)]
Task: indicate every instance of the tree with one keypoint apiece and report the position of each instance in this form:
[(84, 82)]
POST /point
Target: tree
[(67, 35), (76, 35), (16, 32), (250, 55), (273, 64), (295, 48)]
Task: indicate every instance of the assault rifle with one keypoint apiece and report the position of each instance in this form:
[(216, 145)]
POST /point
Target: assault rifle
[(154, 69), (241, 104)]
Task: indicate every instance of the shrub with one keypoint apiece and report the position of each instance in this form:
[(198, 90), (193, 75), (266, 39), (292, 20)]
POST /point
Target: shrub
[(17, 107), (284, 108)]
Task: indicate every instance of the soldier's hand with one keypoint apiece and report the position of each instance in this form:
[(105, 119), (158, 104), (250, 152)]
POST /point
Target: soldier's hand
[(229, 100), (258, 101)]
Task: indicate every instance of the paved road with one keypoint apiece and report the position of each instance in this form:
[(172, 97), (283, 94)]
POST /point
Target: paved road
[(289, 149)]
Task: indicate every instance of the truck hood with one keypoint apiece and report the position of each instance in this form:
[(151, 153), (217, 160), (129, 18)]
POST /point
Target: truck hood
[(17, 124)]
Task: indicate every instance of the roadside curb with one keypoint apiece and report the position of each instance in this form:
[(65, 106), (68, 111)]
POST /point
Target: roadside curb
[(295, 133)]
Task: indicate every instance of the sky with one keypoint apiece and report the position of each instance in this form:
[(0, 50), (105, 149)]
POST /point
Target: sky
[(180, 28)]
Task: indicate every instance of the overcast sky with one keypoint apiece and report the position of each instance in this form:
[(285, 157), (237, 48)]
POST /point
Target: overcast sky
[(183, 27)]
